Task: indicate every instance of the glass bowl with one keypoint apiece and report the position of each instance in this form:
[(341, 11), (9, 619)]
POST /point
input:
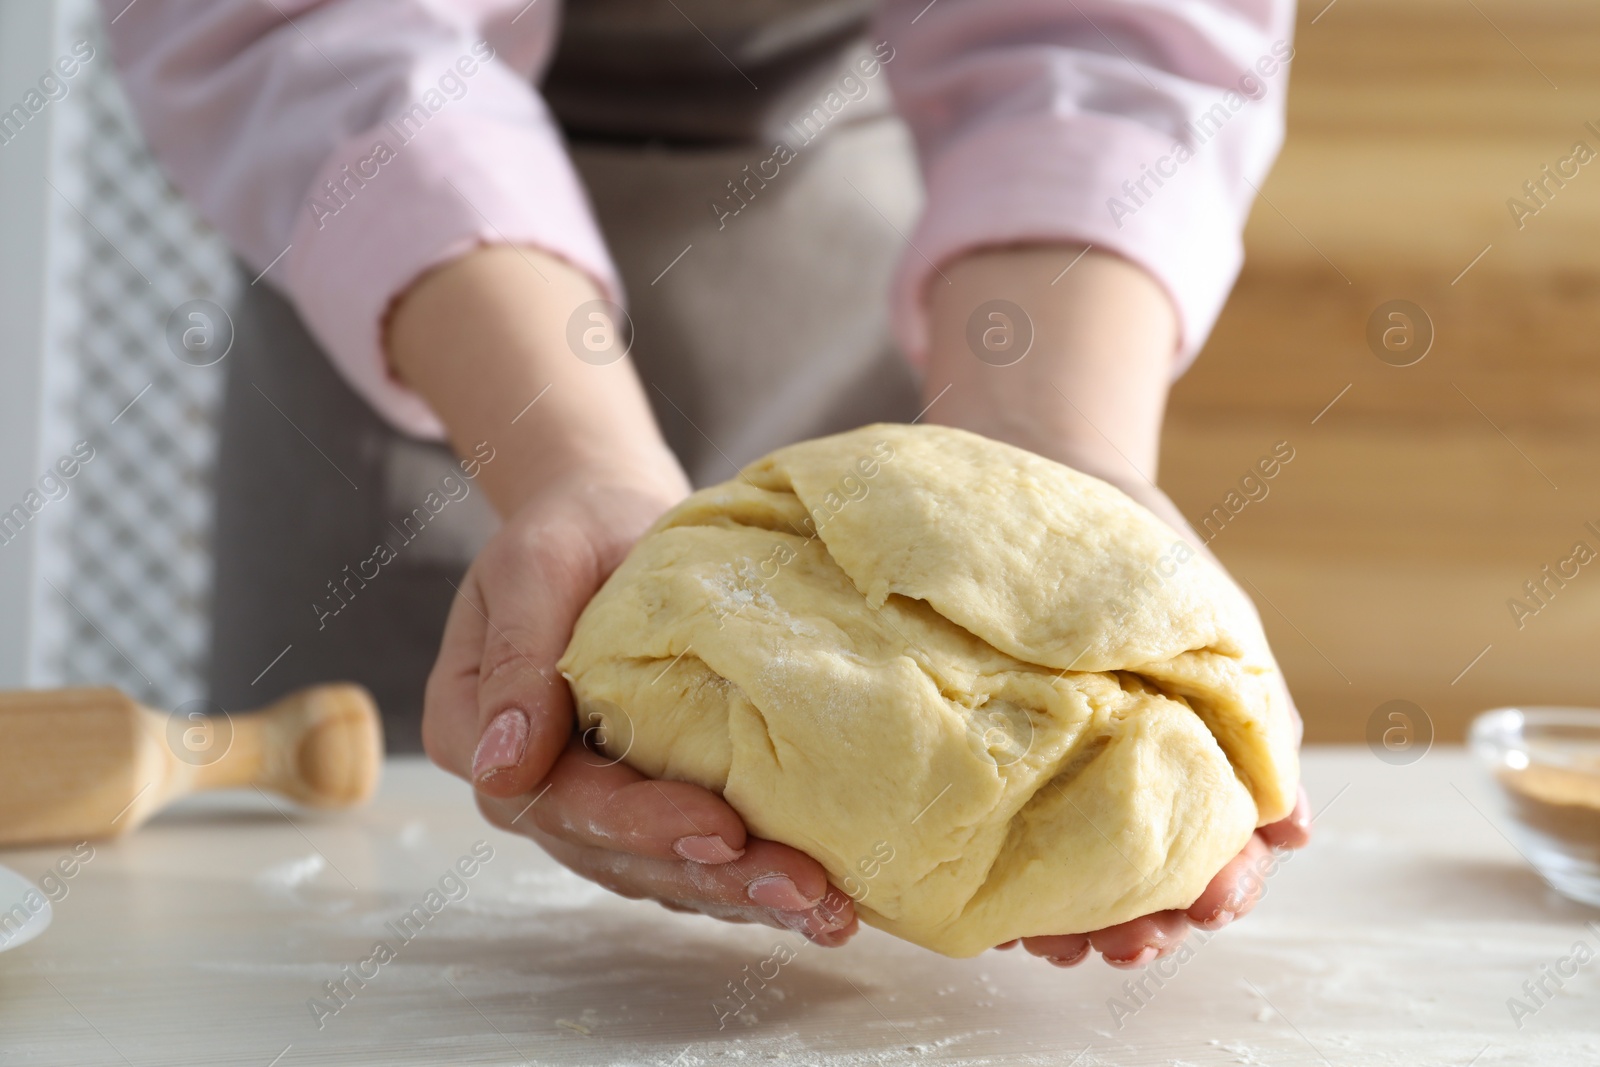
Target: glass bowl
[(1547, 764)]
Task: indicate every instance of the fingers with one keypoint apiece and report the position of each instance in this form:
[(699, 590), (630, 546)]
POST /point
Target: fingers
[(1236, 888), (674, 842), (1063, 950), (500, 736), (1294, 829), (1138, 941), (1231, 894), (1126, 945), (496, 711), (449, 700), (769, 883), (594, 800), (764, 878), (535, 583)]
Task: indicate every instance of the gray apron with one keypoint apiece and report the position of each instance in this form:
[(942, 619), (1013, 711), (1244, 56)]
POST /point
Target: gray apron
[(760, 318)]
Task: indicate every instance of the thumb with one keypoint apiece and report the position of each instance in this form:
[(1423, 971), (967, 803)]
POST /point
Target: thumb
[(496, 710), (535, 583)]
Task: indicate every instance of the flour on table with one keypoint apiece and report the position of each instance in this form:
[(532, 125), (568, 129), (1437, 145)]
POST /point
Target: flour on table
[(291, 874)]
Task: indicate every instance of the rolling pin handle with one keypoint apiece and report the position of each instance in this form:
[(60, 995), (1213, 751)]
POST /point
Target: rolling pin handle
[(328, 749), (322, 747)]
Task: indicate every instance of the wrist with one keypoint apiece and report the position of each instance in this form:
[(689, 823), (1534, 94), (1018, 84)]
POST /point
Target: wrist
[(1089, 390), (592, 515), (484, 340), (1048, 427), (576, 470)]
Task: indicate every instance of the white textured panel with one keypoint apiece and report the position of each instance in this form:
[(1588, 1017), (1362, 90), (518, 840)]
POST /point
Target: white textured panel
[(124, 558)]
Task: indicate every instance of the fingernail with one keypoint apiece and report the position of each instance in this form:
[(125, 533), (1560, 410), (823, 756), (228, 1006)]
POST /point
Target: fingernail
[(827, 932), (1072, 960), (818, 923), (1008, 945), (1145, 955), (1220, 918), (828, 939), (502, 744), (1302, 810), (709, 848), (777, 891), (828, 915)]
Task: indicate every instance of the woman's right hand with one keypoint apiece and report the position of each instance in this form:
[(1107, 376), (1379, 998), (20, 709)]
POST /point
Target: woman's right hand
[(580, 472), (498, 714)]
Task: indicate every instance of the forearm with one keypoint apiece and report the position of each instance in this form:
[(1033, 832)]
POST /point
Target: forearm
[(1091, 391), (483, 336)]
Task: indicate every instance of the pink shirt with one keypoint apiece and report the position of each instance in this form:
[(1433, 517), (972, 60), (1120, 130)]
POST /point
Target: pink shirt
[(1137, 126)]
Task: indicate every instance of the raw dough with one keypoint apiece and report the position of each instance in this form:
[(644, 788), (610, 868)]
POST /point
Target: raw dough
[(994, 697)]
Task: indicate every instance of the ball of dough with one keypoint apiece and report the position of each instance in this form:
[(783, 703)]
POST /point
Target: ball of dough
[(994, 697)]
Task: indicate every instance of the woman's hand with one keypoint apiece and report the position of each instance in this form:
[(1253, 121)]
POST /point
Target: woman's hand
[(498, 714), (1236, 888), (1232, 893), (1089, 393), (578, 481)]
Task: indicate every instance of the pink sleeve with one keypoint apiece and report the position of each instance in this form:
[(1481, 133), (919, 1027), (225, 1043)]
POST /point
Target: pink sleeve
[(1135, 126), (347, 146)]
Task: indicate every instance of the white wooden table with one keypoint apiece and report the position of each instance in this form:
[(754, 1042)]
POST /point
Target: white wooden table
[(1395, 940)]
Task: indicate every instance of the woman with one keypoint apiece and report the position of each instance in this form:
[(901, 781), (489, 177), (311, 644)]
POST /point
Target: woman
[(391, 169)]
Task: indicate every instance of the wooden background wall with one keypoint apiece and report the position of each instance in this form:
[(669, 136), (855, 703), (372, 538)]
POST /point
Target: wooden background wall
[(1419, 503)]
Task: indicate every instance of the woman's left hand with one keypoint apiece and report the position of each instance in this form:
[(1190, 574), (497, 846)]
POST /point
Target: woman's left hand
[(1089, 391)]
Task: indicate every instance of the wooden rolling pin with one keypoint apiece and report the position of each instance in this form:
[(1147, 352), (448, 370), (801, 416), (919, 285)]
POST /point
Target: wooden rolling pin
[(92, 763)]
